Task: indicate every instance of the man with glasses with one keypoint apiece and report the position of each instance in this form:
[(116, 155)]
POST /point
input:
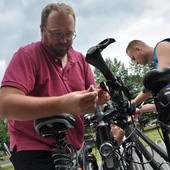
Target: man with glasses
[(44, 79)]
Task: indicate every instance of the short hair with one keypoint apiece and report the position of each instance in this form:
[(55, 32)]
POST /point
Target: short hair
[(133, 43), (60, 7)]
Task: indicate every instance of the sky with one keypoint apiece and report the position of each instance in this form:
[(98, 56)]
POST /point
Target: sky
[(96, 20)]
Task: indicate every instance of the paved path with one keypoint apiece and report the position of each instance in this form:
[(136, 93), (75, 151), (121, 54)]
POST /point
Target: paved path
[(5, 163), (158, 158)]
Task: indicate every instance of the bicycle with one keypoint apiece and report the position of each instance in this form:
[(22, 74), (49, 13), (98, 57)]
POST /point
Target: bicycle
[(121, 108), (65, 155), (131, 154)]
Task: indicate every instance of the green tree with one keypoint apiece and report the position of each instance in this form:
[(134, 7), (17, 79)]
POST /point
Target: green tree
[(136, 73), (116, 67), (4, 136)]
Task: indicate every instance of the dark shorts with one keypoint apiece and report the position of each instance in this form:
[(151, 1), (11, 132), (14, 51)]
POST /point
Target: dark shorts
[(32, 160)]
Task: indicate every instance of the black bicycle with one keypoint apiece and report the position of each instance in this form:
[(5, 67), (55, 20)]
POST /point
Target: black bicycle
[(131, 154)]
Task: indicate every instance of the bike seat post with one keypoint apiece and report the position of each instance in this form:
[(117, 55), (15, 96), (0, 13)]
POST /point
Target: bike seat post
[(56, 127)]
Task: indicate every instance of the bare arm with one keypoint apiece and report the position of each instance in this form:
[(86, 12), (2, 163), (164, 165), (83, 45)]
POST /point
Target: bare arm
[(14, 104), (163, 54), (141, 97), (149, 107)]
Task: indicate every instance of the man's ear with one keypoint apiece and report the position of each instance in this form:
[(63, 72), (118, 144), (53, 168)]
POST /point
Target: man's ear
[(41, 28), (137, 48)]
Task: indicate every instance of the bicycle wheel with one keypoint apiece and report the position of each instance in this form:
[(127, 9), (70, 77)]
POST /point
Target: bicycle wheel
[(92, 163), (134, 158)]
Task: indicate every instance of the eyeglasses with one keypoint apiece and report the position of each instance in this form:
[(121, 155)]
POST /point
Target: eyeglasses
[(59, 35)]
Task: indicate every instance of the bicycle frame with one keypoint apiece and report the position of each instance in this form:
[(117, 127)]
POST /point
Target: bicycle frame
[(153, 145), (148, 156)]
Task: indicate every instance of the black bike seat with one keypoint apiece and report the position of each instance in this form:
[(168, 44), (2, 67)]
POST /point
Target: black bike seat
[(64, 119), (156, 79)]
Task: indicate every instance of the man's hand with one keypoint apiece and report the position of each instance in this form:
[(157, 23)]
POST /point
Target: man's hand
[(117, 132), (149, 107), (103, 96), (81, 102)]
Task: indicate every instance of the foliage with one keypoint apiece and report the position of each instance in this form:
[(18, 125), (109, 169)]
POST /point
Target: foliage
[(132, 77), (4, 136), (116, 67), (135, 77)]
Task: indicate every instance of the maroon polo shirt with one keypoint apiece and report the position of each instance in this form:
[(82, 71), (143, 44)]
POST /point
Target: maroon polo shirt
[(34, 70)]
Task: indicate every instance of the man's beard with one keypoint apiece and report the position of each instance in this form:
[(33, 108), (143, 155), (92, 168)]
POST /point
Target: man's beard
[(58, 52)]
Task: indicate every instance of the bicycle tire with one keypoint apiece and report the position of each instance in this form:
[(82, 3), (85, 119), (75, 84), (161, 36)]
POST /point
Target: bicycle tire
[(136, 162), (149, 158)]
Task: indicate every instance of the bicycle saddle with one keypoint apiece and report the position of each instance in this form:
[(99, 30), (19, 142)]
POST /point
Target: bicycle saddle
[(155, 79), (47, 126)]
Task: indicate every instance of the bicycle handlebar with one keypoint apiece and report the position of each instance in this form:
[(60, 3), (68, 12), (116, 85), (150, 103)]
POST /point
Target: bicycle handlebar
[(115, 85), (94, 57)]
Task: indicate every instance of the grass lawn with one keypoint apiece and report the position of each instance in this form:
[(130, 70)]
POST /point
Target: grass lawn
[(10, 167), (152, 133)]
